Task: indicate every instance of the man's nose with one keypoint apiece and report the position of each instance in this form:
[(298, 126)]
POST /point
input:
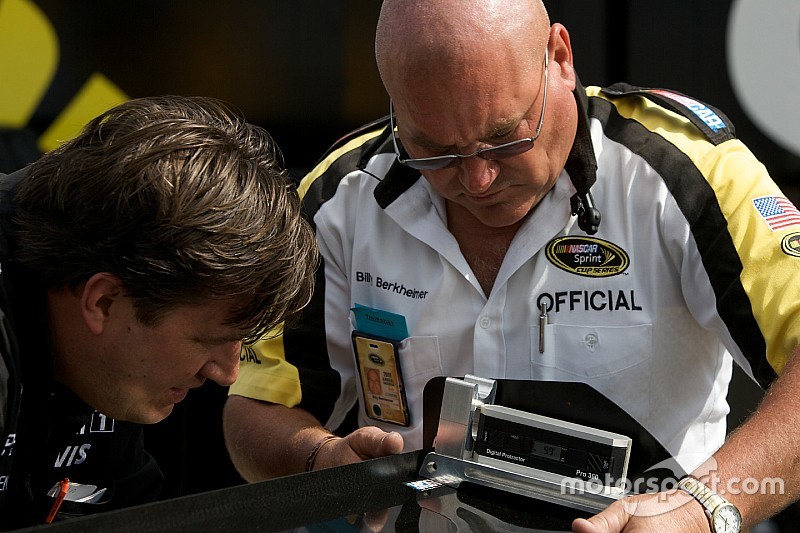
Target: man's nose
[(477, 174), (223, 368)]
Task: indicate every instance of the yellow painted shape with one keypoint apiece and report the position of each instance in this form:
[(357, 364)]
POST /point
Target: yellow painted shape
[(98, 94), (29, 54)]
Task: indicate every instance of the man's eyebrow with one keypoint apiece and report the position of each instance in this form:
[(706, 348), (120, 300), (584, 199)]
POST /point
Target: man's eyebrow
[(424, 142), (219, 339), (502, 128)]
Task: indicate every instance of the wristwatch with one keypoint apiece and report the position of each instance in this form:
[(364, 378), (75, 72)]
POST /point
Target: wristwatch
[(723, 516)]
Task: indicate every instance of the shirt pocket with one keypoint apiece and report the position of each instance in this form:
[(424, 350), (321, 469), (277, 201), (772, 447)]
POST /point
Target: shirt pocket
[(419, 361), (589, 351)]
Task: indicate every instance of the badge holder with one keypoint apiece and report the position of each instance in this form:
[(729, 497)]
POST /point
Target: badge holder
[(520, 452), (384, 394)]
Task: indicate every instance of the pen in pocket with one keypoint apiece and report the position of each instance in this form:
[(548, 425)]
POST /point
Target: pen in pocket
[(62, 493), (542, 324)]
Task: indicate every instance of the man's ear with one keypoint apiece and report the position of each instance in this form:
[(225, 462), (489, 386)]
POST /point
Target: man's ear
[(100, 293), (561, 49)]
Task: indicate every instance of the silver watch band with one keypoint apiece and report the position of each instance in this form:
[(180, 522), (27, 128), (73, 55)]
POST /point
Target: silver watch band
[(707, 497), (722, 515)]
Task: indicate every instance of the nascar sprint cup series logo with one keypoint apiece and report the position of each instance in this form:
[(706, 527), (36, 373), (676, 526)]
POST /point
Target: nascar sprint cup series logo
[(587, 256)]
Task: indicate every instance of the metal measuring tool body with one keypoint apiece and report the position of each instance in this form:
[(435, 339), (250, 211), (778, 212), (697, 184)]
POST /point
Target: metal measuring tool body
[(521, 452)]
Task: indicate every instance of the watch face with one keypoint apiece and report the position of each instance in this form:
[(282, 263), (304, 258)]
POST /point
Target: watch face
[(726, 519)]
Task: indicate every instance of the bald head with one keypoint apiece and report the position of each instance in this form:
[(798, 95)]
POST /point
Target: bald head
[(457, 39)]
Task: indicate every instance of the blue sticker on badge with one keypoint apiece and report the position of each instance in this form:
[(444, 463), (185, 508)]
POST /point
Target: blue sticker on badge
[(380, 323)]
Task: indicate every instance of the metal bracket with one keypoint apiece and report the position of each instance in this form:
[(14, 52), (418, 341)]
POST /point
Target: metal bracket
[(453, 461)]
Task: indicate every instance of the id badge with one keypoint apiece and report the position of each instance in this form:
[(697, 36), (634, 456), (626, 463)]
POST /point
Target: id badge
[(381, 379)]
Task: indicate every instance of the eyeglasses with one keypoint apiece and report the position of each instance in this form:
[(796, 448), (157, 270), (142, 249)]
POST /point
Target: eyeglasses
[(500, 151)]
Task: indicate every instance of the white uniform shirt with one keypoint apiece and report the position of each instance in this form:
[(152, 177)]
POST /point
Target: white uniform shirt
[(648, 332)]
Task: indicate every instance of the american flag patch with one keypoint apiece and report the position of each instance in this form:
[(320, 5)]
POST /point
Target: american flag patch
[(777, 211)]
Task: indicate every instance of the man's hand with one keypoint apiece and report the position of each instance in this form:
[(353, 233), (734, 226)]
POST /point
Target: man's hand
[(364, 443), (664, 512)]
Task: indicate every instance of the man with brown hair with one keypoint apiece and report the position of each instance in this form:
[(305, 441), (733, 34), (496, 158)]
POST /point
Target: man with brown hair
[(136, 258)]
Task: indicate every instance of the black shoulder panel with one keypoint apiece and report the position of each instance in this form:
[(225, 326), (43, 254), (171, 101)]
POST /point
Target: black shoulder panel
[(708, 119), (382, 122), (324, 186)]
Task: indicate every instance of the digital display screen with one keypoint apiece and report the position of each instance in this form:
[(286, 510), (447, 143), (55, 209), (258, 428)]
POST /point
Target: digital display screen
[(548, 451)]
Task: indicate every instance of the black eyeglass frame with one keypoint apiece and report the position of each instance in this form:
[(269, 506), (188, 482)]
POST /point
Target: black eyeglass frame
[(491, 153)]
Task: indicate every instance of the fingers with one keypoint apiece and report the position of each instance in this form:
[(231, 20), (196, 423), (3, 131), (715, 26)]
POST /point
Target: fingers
[(391, 443), (612, 519), (364, 443), (664, 511), (371, 442), (582, 525), (596, 524), (376, 521)]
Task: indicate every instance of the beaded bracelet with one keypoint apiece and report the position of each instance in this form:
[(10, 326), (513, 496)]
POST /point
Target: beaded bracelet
[(312, 457)]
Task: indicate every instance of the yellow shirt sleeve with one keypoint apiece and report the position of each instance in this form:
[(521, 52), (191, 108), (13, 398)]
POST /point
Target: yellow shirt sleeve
[(264, 373)]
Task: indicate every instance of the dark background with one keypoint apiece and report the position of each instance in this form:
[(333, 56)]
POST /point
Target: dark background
[(305, 71)]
